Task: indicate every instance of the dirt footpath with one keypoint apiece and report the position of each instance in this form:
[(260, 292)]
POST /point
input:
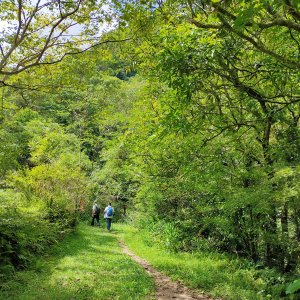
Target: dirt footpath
[(166, 288)]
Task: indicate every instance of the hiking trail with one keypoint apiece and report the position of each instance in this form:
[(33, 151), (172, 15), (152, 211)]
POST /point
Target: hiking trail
[(166, 288)]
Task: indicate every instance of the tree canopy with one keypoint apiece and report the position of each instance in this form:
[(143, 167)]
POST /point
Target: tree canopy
[(186, 117)]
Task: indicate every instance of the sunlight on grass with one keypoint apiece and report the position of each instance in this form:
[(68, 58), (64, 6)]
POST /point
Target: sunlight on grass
[(209, 272), (89, 264)]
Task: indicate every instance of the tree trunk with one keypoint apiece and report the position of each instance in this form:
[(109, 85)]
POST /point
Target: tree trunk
[(284, 220)]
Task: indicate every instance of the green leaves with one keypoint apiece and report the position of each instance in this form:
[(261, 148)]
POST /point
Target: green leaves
[(294, 287), (216, 131), (33, 37), (244, 16)]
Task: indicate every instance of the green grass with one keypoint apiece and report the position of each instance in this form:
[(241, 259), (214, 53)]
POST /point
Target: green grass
[(213, 273), (88, 264)]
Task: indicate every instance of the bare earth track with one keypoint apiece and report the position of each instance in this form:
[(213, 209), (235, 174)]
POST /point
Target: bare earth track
[(166, 288)]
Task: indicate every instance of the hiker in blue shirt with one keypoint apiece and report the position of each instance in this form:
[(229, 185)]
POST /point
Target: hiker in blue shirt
[(95, 214), (108, 214)]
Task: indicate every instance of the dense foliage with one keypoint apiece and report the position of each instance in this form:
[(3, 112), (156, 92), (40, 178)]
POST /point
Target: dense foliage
[(219, 140), (53, 138), (51, 134), (192, 123)]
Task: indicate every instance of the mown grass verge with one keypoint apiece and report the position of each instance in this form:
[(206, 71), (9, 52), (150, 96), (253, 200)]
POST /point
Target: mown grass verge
[(216, 274), (87, 264)]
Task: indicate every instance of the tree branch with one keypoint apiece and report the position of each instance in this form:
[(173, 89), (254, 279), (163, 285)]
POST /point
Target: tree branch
[(39, 63), (259, 45)]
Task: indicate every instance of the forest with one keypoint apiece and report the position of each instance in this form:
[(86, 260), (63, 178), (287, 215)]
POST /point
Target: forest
[(182, 113)]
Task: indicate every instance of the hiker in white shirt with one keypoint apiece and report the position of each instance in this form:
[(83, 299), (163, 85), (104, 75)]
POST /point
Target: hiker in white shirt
[(95, 214)]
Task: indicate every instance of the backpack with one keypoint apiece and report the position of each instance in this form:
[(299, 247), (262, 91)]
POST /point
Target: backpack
[(97, 210), (109, 212)]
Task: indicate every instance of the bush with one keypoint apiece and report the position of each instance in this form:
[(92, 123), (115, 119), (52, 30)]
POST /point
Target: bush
[(26, 232), (22, 237)]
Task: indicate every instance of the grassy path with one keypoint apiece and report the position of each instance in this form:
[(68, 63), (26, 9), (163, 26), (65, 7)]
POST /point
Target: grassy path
[(211, 273), (88, 264), (166, 288)]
